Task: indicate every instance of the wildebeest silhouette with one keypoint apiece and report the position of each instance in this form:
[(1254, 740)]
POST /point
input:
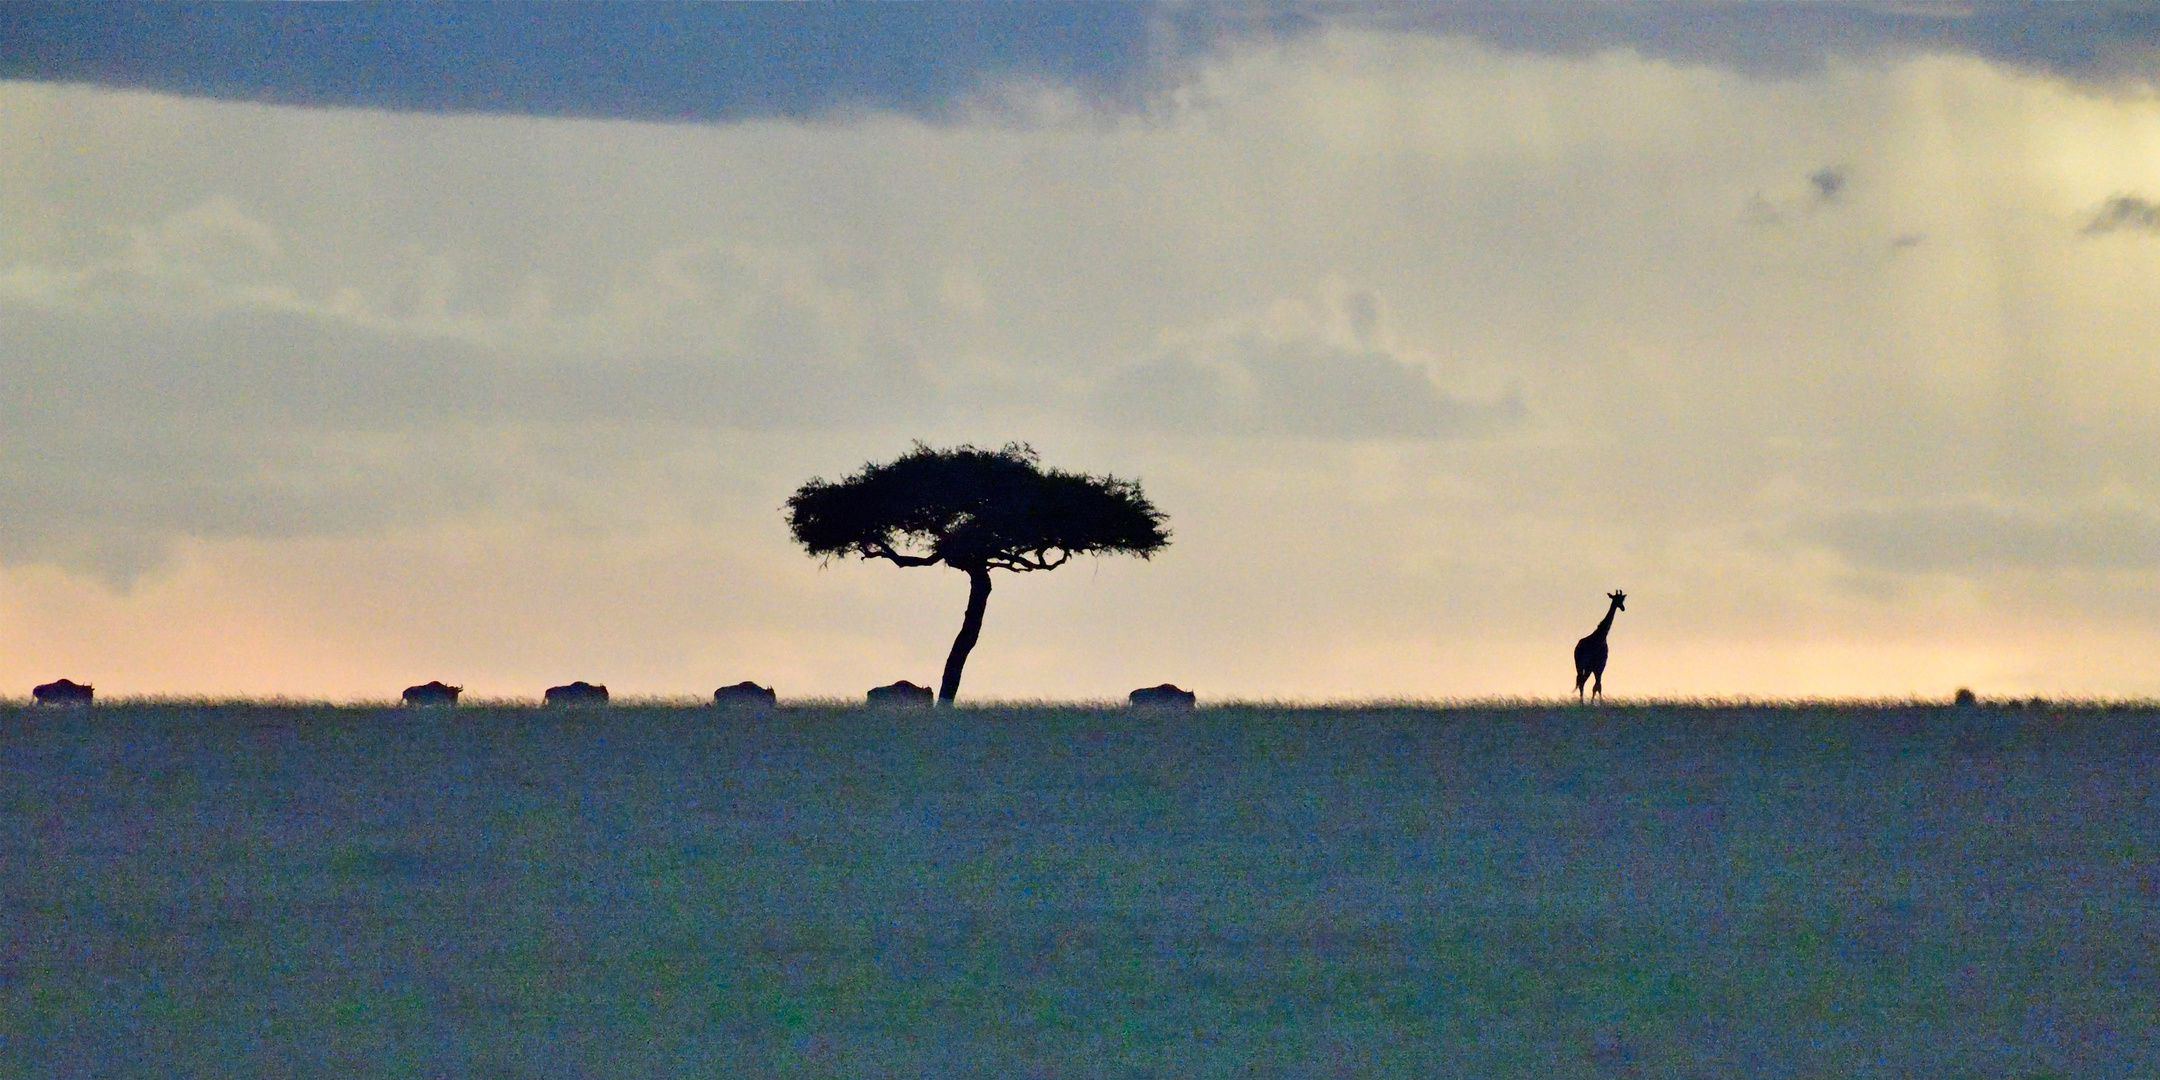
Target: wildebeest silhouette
[(577, 693), (432, 693), (63, 692), (902, 693), (746, 695), (1165, 696)]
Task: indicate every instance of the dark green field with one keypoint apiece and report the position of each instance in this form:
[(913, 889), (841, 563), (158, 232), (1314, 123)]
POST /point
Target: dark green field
[(1481, 892)]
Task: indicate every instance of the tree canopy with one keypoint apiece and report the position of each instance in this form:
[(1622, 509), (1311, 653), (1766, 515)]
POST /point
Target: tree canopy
[(974, 510)]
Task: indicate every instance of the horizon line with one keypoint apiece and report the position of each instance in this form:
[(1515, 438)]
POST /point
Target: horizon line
[(1433, 704)]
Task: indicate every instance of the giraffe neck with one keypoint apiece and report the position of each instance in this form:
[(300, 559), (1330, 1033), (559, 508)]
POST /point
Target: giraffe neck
[(1605, 626)]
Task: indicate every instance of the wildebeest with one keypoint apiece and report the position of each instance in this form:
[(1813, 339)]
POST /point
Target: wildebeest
[(431, 693), (1165, 696), (577, 693), (63, 692), (746, 695), (902, 693)]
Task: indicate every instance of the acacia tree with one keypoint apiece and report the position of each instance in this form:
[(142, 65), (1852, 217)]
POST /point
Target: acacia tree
[(974, 510)]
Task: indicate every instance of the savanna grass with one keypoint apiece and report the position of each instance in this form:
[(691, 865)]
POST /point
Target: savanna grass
[(1389, 889)]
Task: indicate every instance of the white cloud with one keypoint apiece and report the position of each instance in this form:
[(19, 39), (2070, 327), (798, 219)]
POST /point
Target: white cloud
[(1297, 369)]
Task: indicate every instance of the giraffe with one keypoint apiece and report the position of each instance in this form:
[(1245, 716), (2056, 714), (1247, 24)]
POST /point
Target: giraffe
[(1590, 651)]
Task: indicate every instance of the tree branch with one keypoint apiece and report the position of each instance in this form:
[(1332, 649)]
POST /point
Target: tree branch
[(885, 551), (1039, 561)]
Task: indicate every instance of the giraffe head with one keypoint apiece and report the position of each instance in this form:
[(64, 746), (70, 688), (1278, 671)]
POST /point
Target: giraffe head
[(1618, 598)]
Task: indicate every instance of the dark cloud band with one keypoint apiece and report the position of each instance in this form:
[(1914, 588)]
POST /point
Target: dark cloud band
[(722, 62), (2100, 43), (663, 61)]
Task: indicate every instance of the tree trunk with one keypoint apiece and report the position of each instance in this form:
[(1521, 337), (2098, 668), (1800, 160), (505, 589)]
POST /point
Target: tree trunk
[(970, 629)]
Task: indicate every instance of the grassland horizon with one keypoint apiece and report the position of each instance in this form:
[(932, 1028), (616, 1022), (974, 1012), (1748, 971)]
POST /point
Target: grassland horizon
[(1564, 703), (828, 890)]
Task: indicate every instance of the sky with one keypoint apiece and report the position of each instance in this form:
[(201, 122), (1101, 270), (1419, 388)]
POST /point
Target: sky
[(343, 348)]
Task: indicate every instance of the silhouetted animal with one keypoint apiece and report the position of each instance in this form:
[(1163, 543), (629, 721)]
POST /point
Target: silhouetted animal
[(1590, 651), (577, 693), (63, 692), (747, 695), (1965, 696), (902, 693), (432, 693), (1165, 696)]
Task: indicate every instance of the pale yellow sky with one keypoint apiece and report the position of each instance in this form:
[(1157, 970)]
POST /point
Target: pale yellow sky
[(1422, 346)]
